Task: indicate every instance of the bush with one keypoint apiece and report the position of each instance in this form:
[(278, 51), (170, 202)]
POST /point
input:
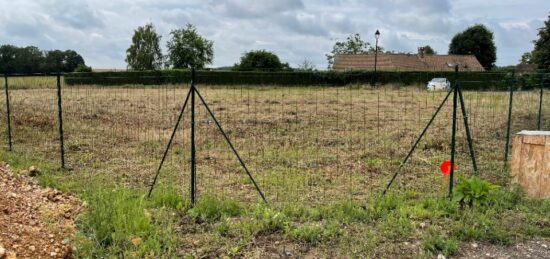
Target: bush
[(469, 80), (474, 189)]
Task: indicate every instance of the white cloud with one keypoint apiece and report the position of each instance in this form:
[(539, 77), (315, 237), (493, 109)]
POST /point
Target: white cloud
[(294, 29)]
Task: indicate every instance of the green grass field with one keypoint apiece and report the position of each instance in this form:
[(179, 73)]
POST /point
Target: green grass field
[(322, 156)]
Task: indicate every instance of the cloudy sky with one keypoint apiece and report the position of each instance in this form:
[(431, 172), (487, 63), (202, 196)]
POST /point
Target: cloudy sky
[(294, 29)]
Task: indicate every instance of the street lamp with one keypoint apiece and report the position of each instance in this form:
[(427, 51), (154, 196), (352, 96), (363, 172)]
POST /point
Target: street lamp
[(376, 35)]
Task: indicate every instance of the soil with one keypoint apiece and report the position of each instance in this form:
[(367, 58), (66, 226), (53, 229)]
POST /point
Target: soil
[(35, 222), (526, 249)]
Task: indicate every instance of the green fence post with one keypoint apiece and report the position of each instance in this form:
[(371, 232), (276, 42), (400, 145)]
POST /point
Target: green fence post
[(6, 88), (509, 123), (60, 121)]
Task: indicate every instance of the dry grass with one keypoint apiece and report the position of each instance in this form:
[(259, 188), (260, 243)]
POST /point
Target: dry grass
[(308, 145)]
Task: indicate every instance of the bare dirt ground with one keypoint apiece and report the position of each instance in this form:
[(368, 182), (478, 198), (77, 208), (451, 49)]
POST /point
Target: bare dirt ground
[(527, 249), (35, 222)]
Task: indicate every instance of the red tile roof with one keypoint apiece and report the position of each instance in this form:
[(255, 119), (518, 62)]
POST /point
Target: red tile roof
[(406, 62)]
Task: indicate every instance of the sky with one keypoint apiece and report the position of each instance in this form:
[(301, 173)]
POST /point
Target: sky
[(101, 30)]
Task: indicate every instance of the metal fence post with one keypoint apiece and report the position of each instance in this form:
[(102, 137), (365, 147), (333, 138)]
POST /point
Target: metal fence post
[(453, 134), (509, 123), (540, 101), (193, 159), (60, 121), (6, 88)]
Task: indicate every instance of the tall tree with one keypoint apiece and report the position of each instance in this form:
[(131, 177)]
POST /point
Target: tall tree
[(526, 58), (54, 61), (428, 50), (541, 53), (476, 40), (187, 48), (28, 60), (72, 60), (261, 60), (8, 54), (32, 60), (352, 45), (145, 53)]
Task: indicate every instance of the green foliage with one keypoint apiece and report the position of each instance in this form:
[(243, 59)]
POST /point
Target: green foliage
[(476, 40), (353, 45), (210, 208), (33, 60), (526, 58), (471, 80), (83, 68), (144, 53), (428, 50), (118, 222), (168, 197), (260, 60), (474, 189), (314, 233), (347, 211), (440, 244), (187, 48), (541, 52)]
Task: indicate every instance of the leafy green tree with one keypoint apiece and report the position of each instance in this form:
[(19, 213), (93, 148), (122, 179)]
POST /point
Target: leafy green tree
[(32, 60), (187, 48), (526, 58), (541, 53), (83, 68), (145, 53), (28, 59), (8, 55), (352, 45), (54, 61), (261, 60), (72, 60), (428, 50), (476, 40)]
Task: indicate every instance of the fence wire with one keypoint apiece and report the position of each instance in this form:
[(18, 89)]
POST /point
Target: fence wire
[(304, 144)]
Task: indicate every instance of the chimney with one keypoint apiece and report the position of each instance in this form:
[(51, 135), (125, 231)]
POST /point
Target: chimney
[(421, 52)]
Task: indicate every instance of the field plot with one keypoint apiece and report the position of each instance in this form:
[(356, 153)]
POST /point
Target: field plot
[(309, 145), (321, 155)]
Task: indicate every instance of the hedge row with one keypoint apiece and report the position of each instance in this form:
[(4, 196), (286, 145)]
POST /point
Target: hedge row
[(470, 80)]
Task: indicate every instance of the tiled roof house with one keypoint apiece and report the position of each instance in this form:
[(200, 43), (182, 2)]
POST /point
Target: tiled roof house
[(406, 62)]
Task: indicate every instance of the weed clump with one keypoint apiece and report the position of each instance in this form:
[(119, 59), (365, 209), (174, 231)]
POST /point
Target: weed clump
[(210, 209), (119, 222)]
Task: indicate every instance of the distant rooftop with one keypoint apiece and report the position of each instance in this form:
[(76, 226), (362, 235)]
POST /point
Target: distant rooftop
[(406, 62)]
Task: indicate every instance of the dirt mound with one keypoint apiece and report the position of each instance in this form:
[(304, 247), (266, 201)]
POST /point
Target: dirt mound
[(35, 222)]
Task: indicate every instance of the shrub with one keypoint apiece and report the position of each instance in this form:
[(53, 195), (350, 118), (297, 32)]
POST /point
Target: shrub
[(474, 189)]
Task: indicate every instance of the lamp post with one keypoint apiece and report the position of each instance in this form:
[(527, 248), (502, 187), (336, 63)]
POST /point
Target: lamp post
[(376, 35)]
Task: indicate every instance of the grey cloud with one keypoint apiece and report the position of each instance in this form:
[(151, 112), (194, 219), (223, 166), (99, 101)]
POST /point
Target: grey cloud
[(77, 14), (294, 29), (256, 9)]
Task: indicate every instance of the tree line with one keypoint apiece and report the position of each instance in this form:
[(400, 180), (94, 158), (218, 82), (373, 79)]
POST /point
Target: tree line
[(31, 60), (540, 55), (187, 48)]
